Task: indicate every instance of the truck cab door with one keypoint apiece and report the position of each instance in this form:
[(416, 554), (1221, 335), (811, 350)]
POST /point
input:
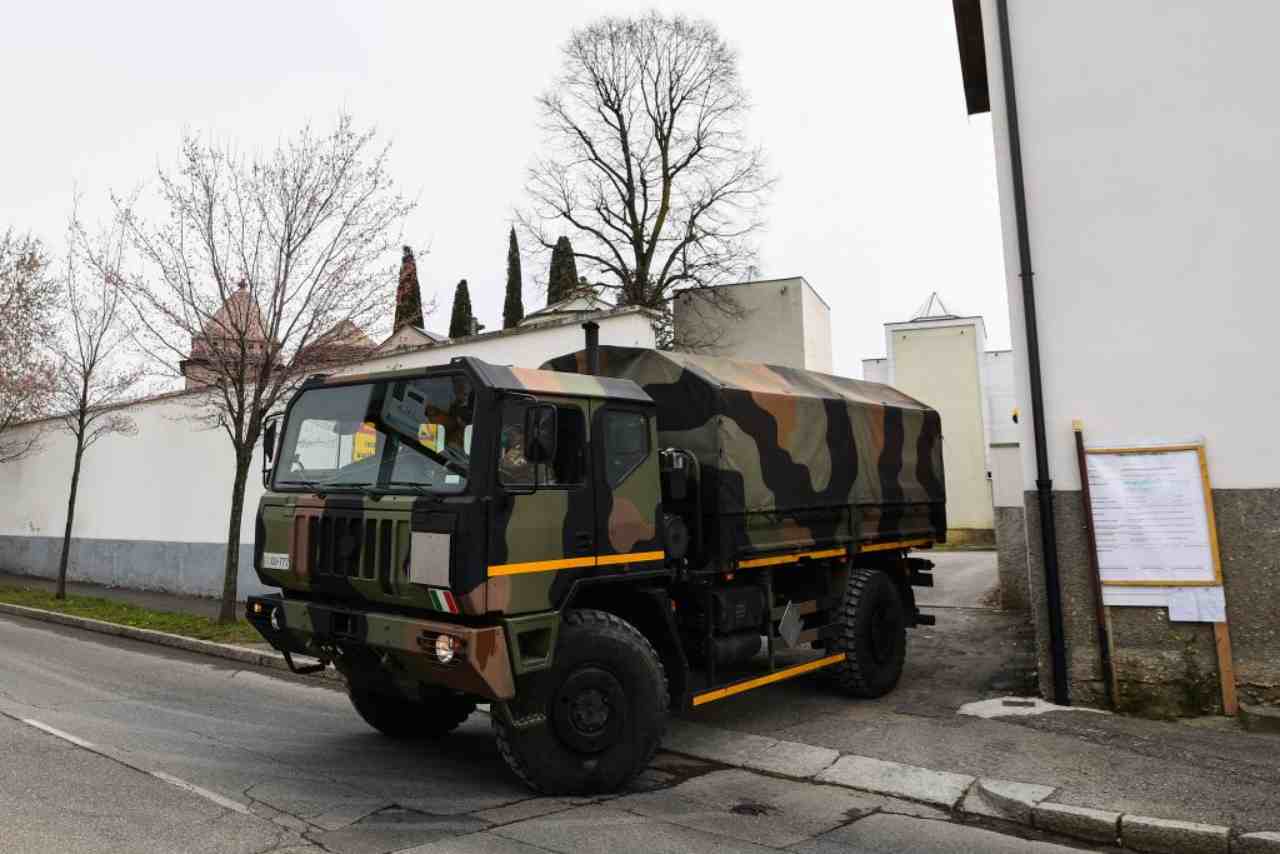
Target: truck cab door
[(544, 521), (628, 494)]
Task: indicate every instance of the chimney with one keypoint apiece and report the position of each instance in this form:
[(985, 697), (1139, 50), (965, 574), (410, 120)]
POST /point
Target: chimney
[(593, 347)]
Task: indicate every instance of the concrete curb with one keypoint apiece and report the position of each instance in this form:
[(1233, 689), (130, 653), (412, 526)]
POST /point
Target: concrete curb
[(1025, 804), (270, 660)]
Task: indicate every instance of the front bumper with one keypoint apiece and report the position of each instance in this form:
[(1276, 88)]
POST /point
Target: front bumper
[(481, 667)]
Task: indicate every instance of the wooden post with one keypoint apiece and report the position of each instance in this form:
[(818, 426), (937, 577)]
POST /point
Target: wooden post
[(1103, 621), (1226, 670)]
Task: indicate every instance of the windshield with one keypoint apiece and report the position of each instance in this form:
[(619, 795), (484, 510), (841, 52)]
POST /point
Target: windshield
[(396, 435)]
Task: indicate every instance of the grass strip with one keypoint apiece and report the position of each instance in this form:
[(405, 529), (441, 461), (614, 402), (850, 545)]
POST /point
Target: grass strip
[(125, 614)]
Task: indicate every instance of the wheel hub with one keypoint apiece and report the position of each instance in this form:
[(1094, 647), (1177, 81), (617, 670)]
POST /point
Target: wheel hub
[(589, 710)]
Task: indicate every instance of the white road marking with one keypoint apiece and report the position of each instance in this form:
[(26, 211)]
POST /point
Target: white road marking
[(204, 793), (65, 736), (225, 803)]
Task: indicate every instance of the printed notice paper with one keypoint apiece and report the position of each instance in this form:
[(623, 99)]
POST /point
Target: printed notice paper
[(1185, 604), (1197, 605), (1149, 518)]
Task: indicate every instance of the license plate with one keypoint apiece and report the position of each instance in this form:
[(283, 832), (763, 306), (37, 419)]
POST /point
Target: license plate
[(275, 560)]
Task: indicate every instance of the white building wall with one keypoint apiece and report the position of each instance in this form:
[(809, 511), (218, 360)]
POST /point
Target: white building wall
[(876, 370), (1001, 396), (1006, 476), (816, 316), (153, 508), (782, 322), (938, 362), (1151, 185)]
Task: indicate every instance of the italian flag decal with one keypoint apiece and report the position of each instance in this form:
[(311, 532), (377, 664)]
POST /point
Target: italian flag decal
[(443, 600)]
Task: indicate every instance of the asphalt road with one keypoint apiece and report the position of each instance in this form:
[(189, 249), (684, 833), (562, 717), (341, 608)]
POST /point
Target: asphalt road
[(115, 746)]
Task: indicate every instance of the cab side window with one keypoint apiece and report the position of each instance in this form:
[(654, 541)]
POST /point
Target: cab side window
[(626, 444), (569, 466)]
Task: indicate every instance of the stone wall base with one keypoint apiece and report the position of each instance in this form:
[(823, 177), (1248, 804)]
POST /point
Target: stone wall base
[(1011, 558), (1167, 669)]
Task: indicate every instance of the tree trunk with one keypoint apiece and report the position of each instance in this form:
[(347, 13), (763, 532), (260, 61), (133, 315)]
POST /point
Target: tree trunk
[(231, 569), (71, 513)]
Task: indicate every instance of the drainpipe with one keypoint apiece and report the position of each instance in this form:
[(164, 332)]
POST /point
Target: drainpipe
[(1044, 485)]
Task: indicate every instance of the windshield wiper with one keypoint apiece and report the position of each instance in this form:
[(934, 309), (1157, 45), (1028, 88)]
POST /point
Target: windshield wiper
[(420, 487)]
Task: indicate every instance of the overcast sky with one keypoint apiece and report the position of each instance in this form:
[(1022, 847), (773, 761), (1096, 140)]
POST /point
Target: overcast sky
[(886, 188)]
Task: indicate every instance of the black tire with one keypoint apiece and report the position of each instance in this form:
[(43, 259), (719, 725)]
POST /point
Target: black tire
[(873, 636), (398, 717), (604, 713)]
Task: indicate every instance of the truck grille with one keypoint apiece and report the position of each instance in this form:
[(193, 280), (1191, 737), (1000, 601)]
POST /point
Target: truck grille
[(349, 546)]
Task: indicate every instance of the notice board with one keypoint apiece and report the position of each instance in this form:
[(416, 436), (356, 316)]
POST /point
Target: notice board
[(1153, 516)]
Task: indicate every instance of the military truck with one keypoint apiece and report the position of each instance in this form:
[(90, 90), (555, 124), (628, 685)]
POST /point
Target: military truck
[(590, 546)]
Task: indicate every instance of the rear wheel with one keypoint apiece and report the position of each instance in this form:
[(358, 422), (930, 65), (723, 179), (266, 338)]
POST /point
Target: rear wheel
[(604, 713), (872, 626), (436, 715)]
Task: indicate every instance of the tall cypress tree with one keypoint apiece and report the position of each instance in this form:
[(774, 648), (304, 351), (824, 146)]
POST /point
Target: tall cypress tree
[(562, 279), (460, 321), (513, 308), (408, 295)]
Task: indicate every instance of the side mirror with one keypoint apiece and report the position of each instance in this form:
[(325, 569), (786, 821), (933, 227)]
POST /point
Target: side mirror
[(269, 447), (269, 442), (540, 433)]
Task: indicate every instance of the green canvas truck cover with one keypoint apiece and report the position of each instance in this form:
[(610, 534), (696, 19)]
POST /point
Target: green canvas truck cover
[(791, 457)]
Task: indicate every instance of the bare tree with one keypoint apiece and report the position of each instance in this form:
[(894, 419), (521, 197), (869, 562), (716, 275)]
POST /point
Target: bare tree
[(259, 260), (648, 161), (28, 317), (89, 380)]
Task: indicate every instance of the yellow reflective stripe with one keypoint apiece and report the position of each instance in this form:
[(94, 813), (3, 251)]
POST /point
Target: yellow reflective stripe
[(633, 557), (791, 558), (541, 565), (799, 669), (904, 544), (573, 563)]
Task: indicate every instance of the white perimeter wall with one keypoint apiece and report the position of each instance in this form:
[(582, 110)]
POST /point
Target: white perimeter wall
[(171, 483), (1150, 133), (528, 348)]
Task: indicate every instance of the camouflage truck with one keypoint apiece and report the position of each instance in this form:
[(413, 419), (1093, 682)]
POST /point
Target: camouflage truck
[(590, 546)]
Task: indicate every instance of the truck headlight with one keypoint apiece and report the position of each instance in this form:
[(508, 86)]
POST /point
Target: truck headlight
[(276, 622), (446, 646)]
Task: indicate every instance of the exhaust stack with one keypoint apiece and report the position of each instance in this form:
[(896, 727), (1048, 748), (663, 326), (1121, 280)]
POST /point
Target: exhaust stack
[(593, 347)]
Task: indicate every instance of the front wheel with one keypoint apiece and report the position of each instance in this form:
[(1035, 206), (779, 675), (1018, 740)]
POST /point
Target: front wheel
[(872, 633), (604, 713), (436, 715)]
